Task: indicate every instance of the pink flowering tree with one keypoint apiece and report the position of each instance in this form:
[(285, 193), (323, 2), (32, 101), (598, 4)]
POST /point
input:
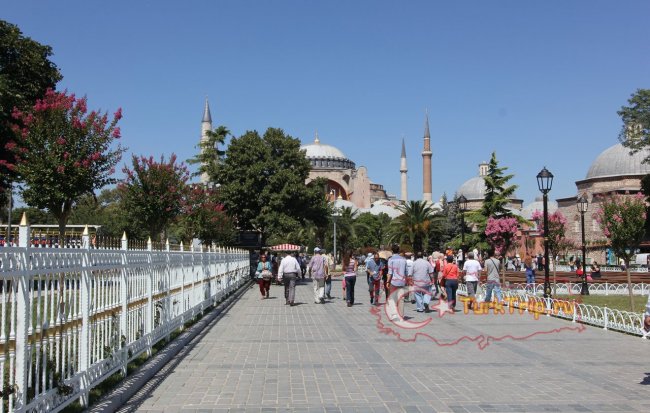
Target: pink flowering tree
[(557, 241), (501, 234), (63, 151), (203, 217), (152, 193), (622, 219)]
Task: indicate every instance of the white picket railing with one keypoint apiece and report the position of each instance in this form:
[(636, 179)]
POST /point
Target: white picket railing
[(607, 318), (73, 317), (576, 288), (605, 268)]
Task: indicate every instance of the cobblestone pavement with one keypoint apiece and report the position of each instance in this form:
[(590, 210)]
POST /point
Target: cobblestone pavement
[(264, 356)]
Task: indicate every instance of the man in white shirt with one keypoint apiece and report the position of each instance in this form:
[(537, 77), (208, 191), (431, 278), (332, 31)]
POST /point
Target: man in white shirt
[(288, 272), (471, 270)]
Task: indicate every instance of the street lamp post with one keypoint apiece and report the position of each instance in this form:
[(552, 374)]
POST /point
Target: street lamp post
[(462, 205), (583, 206), (335, 214), (545, 183)]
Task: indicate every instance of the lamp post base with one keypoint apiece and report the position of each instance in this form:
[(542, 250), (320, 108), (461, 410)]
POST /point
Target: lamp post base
[(547, 289), (584, 289)]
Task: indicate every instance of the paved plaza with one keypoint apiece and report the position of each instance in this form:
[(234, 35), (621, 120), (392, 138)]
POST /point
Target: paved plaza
[(264, 356)]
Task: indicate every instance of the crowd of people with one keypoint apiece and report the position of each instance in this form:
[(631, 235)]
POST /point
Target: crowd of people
[(401, 276)]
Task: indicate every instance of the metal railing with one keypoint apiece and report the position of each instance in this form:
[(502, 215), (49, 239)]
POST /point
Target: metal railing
[(72, 317), (605, 317), (576, 288)]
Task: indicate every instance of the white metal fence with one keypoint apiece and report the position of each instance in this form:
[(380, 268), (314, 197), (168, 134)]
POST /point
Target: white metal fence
[(576, 288), (73, 317), (607, 318)]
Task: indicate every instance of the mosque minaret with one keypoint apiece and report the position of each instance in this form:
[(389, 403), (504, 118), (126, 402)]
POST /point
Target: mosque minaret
[(403, 169), (426, 163), (206, 126)]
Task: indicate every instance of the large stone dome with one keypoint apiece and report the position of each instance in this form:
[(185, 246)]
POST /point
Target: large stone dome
[(326, 156), (473, 188), (617, 161), (538, 205)]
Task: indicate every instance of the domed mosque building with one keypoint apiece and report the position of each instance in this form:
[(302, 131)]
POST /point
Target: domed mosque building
[(614, 171), (347, 184), (474, 190)]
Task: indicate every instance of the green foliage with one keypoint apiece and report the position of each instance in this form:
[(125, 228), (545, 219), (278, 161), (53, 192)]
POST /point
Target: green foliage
[(414, 225), (374, 230), (105, 210), (63, 152), (209, 153), (25, 74), (262, 184), (152, 193), (635, 133), (204, 218)]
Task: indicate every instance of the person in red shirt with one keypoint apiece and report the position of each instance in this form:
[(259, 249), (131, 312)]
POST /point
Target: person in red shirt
[(449, 281)]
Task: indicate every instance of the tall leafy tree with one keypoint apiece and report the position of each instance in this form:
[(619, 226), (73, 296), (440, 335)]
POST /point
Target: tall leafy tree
[(26, 72), (622, 219), (203, 217), (501, 235), (209, 154), (635, 133), (375, 230), (152, 193), (106, 210), (63, 152), (413, 225), (262, 184)]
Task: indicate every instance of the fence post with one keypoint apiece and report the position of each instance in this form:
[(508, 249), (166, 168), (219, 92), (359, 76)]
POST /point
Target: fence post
[(168, 281), (149, 321), (606, 318), (84, 301), (606, 288), (124, 298), (575, 310), (23, 317)]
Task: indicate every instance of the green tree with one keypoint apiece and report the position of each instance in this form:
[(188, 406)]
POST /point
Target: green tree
[(106, 210), (64, 152), (209, 154), (262, 184), (203, 217), (558, 243), (25, 74), (622, 219), (347, 229), (414, 224), (152, 193), (635, 133), (374, 231)]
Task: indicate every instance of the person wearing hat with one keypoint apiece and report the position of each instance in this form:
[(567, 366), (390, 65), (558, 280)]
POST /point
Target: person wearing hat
[(374, 270), (318, 269)]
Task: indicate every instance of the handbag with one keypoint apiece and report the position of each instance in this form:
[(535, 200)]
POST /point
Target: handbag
[(266, 273)]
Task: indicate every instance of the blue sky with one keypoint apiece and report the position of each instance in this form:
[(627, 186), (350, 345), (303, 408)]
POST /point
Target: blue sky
[(538, 82)]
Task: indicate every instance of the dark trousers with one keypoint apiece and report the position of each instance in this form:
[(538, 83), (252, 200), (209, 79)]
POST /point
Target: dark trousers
[(289, 280), (451, 286), (265, 286), (349, 289)]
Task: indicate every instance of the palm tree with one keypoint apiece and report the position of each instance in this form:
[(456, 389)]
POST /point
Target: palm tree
[(414, 224), (346, 228)]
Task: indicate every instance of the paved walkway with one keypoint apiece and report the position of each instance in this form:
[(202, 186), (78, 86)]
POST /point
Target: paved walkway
[(263, 356)]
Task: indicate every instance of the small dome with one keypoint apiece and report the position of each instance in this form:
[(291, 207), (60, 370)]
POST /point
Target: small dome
[(377, 209), (321, 150), (473, 188), (617, 161), (343, 203), (538, 205)]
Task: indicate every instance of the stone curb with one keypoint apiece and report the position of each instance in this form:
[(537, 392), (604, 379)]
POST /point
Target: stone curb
[(150, 374)]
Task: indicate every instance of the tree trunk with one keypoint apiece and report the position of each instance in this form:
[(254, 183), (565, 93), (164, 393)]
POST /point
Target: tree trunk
[(555, 280), (629, 283)]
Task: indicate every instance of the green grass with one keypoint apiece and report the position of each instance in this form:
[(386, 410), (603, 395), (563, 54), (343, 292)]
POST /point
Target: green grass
[(619, 302)]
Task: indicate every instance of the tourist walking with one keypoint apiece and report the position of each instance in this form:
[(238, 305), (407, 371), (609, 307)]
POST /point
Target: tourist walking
[(422, 277), (288, 271), (396, 282), (374, 269), (318, 270), (264, 275), (449, 281), (492, 266), (350, 274), (328, 276), (471, 272), (530, 273)]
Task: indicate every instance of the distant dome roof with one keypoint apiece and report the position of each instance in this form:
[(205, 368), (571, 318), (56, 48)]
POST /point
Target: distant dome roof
[(538, 205), (473, 188), (617, 161), (377, 209), (321, 150)]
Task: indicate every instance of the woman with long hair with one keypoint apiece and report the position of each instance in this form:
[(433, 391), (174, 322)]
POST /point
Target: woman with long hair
[(350, 273)]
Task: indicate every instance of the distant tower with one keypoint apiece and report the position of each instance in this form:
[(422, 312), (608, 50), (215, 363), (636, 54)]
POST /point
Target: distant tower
[(206, 125), (403, 170), (426, 162)]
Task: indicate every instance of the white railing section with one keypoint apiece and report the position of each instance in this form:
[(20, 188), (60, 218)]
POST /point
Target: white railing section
[(576, 288), (605, 317), (73, 317), (567, 268)]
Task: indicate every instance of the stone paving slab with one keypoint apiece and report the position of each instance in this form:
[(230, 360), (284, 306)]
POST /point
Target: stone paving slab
[(264, 356)]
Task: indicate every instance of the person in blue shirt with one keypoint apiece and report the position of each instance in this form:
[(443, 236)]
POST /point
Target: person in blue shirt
[(374, 269)]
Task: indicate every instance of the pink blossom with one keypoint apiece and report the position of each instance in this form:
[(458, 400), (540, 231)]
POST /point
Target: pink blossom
[(77, 164), (66, 155), (85, 163), (117, 133), (10, 145), (60, 140), (118, 114), (60, 169)]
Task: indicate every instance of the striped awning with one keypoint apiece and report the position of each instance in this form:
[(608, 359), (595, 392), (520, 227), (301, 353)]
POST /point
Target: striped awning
[(285, 247)]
